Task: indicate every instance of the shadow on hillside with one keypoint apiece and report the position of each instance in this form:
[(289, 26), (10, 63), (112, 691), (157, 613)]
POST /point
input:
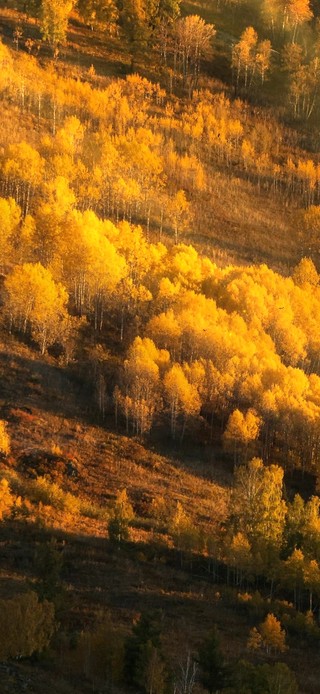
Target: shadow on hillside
[(32, 382), (86, 48), (133, 577)]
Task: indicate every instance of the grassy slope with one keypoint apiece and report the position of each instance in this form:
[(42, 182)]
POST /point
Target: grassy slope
[(45, 407)]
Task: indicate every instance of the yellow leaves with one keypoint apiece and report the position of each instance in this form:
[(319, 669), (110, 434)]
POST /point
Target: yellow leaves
[(23, 162), (27, 625), (255, 640), (123, 506), (59, 197), (243, 51), (70, 136), (10, 217), (180, 211), (139, 150), (127, 191), (6, 499), (194, 40), (311, 575), (107, 267), (247, 153), (181, 394), (142, 371), (4, 439), (299, 11), (168, 291), (144, 354), (54, 20), (257, 506), (262, 59), (250, 57), (307, 171), (35, 300), (91, 260), (239, 552), (188, 170), (269, 635), (5, 56), (186, 265), (242, 428), (293, 569), (305, 273)]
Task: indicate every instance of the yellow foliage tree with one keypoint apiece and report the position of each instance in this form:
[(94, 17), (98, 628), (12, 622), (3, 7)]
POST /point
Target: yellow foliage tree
[(54, 20), (10, 217), (242, 429), (6, 499), (142, 383), (35, 302), (4, 438), (268, 635), (182, 396), (273, 637), (257, 507)]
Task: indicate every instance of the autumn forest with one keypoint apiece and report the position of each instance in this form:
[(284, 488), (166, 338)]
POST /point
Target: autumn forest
[(160, 346)]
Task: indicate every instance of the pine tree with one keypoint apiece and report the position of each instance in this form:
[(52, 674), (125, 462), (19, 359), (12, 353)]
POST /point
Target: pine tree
[(143, 658), (212, 670)]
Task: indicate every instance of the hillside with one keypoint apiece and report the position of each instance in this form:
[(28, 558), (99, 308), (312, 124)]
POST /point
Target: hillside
[(159, 347)]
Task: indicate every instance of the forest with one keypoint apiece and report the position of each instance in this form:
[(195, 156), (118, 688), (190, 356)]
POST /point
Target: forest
[(160, 346)]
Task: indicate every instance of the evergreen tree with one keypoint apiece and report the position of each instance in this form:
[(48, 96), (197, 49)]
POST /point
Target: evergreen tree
[(211, 664), (143, 662)]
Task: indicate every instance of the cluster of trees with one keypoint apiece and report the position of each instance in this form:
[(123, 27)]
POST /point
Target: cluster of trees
[(253, 62), (237, 345), (140, 22), (175, 156), (263, 536), (264, 540), (272, 537), (139, 661), (288, 42), (244, 350)]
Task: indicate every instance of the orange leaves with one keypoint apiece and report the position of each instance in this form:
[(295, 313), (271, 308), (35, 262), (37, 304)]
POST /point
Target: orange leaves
[(269, 635), (7, 499), (299, 11), (4, 439)]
